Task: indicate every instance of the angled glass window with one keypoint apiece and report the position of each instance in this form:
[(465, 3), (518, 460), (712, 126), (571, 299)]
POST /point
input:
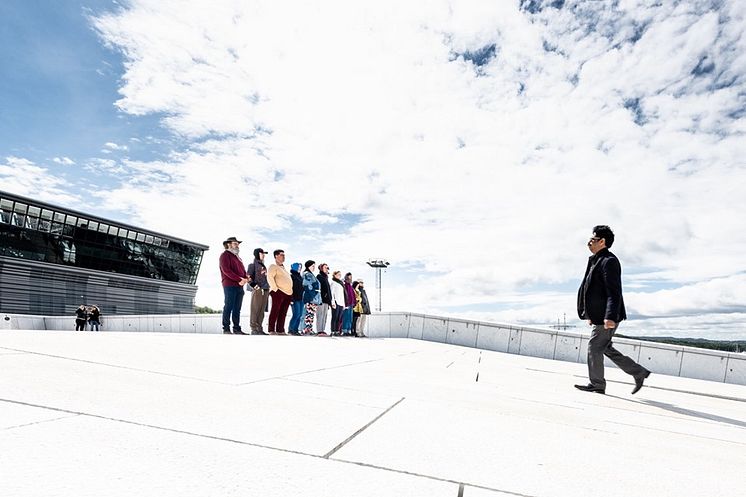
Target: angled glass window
[(149, 239), (140, 237), (20, 208), (34, 211), (93, 226), (113, 230), (59, 217), (103, 228)]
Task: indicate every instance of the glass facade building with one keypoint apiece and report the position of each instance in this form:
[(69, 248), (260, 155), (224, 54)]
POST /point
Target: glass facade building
[(81, 247)]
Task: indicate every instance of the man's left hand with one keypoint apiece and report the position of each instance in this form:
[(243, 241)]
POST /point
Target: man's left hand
[(609, 324)]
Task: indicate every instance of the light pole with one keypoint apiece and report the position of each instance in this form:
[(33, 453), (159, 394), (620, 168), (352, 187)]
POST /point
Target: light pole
[(378, 264)]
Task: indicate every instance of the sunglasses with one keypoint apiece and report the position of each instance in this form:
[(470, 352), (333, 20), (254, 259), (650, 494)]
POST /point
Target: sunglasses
[(594, 240)]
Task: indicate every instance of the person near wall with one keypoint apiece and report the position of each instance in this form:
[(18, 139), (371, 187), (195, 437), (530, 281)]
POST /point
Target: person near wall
[(296, 303), (364, 309), (81, 317), (281, 291), (233, 277), (259, 288), (349, 304), (322, 311), (600, 303), (338, 302), (357, 309), (311, 297), (94, 318)]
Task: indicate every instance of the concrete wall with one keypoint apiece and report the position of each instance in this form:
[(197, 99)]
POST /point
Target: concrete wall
[(546, 343), (689, 362)]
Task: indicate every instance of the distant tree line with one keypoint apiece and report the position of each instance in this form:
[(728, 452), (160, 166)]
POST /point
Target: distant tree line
[(205, 310), (702, 343)]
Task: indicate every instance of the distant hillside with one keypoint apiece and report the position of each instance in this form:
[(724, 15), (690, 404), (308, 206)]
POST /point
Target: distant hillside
[(703, 343)]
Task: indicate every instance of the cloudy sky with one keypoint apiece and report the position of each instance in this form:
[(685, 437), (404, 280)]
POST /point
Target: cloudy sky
[(472, 144)]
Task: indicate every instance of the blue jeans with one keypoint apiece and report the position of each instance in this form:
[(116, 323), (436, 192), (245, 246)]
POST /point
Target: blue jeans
[(347, 320), (298, 311), (232, 307)]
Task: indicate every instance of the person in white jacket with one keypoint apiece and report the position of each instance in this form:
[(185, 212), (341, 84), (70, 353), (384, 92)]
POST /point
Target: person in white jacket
[(338, 302)]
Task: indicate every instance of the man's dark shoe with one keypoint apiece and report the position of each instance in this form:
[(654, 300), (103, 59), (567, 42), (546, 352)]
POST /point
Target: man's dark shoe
[(226, 331), (590, 388), (238, 331), (639, 380), (257, 332)]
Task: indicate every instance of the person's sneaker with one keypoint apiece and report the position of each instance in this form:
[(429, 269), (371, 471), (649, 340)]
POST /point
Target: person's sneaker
[(322, 334), (226, 331), (294, 333), (639, 380), (590, 388), (238, 331), (281, 333), (258, 332)]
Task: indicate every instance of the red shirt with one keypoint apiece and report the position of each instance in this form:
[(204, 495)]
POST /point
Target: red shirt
[(231, 269)]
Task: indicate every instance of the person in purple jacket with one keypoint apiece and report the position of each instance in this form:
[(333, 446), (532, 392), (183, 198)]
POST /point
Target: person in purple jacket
[(350, 300), (233, 277)]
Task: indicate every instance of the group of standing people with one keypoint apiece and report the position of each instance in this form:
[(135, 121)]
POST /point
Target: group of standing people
[(312, 296), (87, 315)]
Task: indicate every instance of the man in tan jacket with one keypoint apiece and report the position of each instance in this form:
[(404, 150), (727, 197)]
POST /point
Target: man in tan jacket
[(281, 291)]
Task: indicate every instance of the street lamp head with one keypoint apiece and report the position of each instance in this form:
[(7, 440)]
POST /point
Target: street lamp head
[(380, 263)]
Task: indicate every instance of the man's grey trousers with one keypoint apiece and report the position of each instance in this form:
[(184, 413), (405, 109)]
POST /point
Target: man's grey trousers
[(599, 346)]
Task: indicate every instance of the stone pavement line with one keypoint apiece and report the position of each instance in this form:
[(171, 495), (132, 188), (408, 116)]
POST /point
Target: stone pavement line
[(358, 432), (128, 368), (261, 446), (40, 422)]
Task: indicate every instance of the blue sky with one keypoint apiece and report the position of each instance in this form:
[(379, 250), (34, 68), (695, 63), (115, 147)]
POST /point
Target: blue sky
[(472, 144)]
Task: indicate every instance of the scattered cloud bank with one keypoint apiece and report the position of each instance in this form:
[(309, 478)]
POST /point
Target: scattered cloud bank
[(474, 144)]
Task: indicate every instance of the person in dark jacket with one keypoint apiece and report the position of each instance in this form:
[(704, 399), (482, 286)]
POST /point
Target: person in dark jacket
[(311, 297), (233, 277), (322, 311), (81, 318), (94, 318), (365, 305), (259, 288), (296, 304), (600, 303)]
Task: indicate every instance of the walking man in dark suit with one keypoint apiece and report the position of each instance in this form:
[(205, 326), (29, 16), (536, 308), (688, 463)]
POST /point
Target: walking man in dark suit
[(600, 302)]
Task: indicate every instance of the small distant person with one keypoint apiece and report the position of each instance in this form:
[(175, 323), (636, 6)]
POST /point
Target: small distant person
[(357, 309), (349, 304), (365, 306), (311, 297), (81, 317), (94, 318), (322, 311), (338, 302), (281, 291), (600, 302), (259, 288), (233, 277), (296, 304)]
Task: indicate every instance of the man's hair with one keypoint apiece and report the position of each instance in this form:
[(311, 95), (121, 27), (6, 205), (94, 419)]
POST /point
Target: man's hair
[(603, 231), (277, 252), (323, 265), (348, 274)]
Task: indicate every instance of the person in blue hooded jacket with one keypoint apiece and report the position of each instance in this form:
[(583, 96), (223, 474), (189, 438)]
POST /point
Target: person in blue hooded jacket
[(296, 304), (311, 297)]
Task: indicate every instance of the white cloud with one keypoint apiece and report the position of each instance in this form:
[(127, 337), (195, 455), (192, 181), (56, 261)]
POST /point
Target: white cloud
[(487, 178), (65, 161), (109, 146), (23, 177)]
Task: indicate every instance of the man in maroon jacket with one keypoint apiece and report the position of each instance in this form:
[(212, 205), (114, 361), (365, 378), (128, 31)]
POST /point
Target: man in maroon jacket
[(234, 278)]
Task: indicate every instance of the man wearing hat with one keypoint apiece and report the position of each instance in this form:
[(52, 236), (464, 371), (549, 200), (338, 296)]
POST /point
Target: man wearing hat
[(234, 278), (259, 288)]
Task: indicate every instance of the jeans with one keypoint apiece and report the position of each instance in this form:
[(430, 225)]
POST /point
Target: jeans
[(232, 307), (297, 308), (94, 324), (347, 320), (337, 319)]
